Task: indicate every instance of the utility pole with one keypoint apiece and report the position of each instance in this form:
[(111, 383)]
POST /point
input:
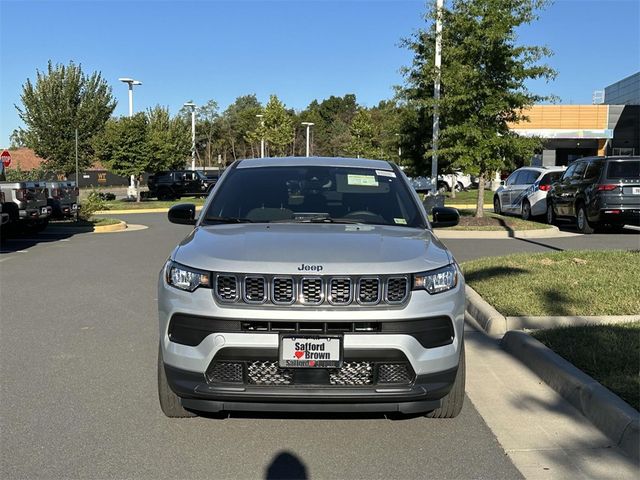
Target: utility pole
[(308, 125), (261, 117), (436, 97), (77, 184), (131, 82), (193, 133)]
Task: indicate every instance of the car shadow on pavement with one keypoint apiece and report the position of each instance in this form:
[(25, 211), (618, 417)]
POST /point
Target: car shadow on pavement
[(286, 466), (18, 241), (511, 232)]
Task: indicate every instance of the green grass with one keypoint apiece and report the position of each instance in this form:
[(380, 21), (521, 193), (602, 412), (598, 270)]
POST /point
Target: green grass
[(127, 205), (609, 353), (564, 283), (494, 222), (469, 197), (94, 222), (101, 222)]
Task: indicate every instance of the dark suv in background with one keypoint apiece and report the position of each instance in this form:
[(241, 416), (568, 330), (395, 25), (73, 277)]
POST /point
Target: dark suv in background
[(598, 192), (179, 183)]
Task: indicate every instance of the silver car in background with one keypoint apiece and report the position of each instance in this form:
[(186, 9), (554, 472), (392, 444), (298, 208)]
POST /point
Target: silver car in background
[(524, 193), (311, 284)]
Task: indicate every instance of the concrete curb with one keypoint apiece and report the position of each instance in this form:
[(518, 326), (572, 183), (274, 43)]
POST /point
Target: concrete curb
[(116, 227), (552, 232), (132, 211), (608, 412), (481, 312)]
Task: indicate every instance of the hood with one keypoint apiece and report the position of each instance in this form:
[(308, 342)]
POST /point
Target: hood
[(336, 248)]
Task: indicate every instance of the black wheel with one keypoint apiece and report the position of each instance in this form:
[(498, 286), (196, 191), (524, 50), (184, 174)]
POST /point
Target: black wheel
[(443, 187), (165, 194), (551, 216), (582, 222), (497, 208), (452, 403), (526, 210), (169, 401), (459, 187)]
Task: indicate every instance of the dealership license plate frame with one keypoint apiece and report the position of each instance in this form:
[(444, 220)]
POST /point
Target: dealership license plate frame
[(301, 363)]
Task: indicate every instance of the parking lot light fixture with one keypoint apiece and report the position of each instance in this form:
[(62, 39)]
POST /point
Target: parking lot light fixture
[(193, 133), (131, 82), (261, 117), (308, 125)]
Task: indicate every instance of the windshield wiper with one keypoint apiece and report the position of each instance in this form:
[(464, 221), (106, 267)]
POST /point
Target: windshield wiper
[(227, 220), (319, 219)]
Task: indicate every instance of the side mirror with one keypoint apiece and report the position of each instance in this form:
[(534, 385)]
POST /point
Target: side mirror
[(444, 217), (183, 213)]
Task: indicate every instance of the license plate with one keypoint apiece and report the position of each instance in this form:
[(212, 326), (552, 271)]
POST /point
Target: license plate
[(635, 191), (74, 206), (310, 352)]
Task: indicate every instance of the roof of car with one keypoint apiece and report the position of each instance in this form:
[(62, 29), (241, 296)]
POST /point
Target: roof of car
[(550, 168), (315, 161)]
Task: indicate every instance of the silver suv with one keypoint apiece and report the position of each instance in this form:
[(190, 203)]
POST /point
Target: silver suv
[(311, 284)]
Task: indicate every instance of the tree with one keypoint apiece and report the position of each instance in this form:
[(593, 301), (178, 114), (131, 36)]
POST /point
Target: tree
[(123, 147), (278, 127), (364, 141), (236, 122), (62, 100), (168, 140), (483, 78)]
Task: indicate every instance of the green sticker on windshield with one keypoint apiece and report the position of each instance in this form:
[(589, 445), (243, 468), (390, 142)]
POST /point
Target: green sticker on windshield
[(362, 180), (401, 221)]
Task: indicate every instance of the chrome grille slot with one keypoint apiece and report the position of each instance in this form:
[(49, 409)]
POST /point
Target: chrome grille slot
[(255, 290), (311, 291), (227, 288), (225, 372), (340, 291), (397, 289), (352, 373), (283, 291), (268, 373), (395, 373), (369, 291)]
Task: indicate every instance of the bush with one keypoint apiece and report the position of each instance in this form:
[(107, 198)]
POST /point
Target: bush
[(92, 204)]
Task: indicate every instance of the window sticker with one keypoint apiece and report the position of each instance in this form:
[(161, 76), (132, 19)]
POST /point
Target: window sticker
[(400, 221), (385, 173), (362, 180)]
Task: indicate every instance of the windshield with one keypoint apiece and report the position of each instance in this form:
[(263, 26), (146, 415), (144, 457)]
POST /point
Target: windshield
[(315, 194)]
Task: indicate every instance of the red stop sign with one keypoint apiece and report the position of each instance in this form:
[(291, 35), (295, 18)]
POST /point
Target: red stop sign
[(6, 158)]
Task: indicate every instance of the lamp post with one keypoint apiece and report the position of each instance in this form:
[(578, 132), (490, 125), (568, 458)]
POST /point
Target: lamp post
[(436, 97), (193, 133), (77, 184), (308, 125), (261, 117), (131, 82)]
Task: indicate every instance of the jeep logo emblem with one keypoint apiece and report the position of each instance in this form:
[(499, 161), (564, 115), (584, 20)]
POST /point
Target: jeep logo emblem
[(310, 268)]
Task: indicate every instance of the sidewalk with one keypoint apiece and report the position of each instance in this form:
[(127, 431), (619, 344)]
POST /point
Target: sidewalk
[(543, 435)]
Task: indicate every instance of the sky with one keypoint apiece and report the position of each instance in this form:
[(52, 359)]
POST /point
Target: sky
[(298, 49)]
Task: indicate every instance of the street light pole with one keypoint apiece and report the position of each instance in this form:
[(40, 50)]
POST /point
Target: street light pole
[(77, 184), (261, 117), (131, 82), (193, 133), (308, 125), (436, 97)]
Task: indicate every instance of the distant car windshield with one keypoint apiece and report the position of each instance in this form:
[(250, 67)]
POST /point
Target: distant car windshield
[(624, 169), (315, 194)]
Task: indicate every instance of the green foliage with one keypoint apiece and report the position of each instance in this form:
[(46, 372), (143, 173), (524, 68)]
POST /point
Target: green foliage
[(122, 147), (93, 203), (62, 100), (15, 174), (168, 140), (364, 137), (235, 124), (483, 78), (277, 129)]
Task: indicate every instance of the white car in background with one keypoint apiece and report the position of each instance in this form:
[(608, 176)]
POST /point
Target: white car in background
[(524, 193), (458, 180)]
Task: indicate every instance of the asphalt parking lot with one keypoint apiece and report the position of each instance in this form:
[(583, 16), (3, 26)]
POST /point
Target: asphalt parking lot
[(78, 358)]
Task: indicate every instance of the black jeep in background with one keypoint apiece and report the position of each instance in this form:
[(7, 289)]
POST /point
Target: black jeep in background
[(178, 183), (597, 192)]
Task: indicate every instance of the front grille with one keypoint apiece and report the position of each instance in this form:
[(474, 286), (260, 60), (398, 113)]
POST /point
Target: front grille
[(397, 289), (283, 291), (394, 373), (352, 373), (340, 291), (268, 373), (225, 372), (227, 288), (312, 291), (255, 290), (336, 291), (369, 291)]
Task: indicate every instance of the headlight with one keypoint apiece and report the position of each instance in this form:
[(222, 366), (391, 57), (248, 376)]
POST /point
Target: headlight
[(436, 281), (186, 278)]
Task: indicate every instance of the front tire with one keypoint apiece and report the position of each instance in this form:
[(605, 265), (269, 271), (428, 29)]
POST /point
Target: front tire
[(551, 216), (582, 222), (169, 401), (497, 208), (451, 403)]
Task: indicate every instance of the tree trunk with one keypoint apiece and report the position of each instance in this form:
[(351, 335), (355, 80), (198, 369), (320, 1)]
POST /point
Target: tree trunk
[(480, 202), (138, 196), (453, 185)]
